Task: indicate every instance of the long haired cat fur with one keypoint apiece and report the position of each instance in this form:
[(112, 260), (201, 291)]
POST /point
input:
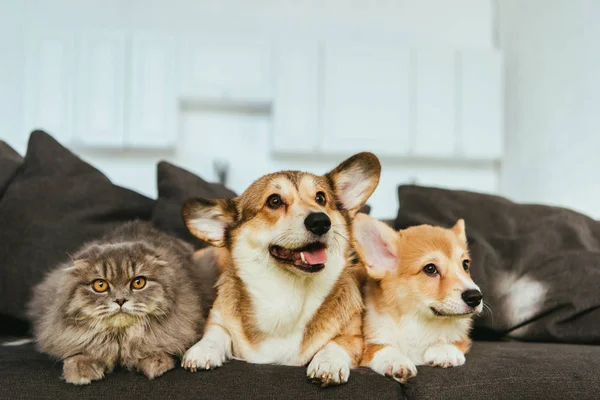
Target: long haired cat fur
[(131, 299)]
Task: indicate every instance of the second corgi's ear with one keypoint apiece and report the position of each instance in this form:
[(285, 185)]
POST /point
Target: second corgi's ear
[(355, 179), (377, 242), (459, 230), (209, 219)]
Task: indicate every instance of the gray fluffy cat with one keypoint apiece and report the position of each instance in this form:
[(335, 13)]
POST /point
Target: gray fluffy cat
[(131, 299)]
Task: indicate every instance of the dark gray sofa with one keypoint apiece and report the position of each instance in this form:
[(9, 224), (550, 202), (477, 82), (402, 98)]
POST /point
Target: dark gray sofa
[(494, 370), (51, 202)]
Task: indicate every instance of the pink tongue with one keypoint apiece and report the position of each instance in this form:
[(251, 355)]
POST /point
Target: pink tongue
[(315, 256)]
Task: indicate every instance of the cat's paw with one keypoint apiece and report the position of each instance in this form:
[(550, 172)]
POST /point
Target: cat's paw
[(330, 366), (391, 362), (444, 356), (155, 365), (82, 370), (203, 355)]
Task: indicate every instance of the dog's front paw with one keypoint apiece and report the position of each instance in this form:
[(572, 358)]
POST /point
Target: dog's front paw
[(444, 356), (82, 370), (391, 362), (155, 365), (330, 366), (203, 355)]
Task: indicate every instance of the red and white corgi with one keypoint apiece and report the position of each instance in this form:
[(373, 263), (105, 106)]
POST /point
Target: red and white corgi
[(419, 296), (288, 294)]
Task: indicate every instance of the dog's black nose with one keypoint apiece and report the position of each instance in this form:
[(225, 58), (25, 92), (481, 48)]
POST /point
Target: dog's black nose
[(317, 223), (120, 301), (472, 297)]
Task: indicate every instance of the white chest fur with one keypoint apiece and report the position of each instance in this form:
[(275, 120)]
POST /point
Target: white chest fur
[(412, 334), (283, 304)]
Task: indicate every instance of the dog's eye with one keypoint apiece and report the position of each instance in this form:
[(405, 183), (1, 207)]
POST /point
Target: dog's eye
[(430, 269), (467, 265), (320, 198), (100, 286), (274, 201), (138, 282)]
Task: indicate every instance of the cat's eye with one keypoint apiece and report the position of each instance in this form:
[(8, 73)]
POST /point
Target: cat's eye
[(320, 198), (100, 286), (467, 265), (430, 270), (274, 201), (138, 282)]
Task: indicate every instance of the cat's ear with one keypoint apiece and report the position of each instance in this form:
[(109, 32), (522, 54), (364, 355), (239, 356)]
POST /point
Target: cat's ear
[(378, 244), (354, 180), (151, 255), (155, 259), (209, 219), (76, 266)]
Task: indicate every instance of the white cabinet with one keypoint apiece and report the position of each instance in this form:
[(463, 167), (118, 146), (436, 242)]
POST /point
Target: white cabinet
[(424, 102), (435, 103), (296, 102), (480, 133), (217, 67), (100, 95), (120, 88), (153, 97), (366, 96), (48, 81)]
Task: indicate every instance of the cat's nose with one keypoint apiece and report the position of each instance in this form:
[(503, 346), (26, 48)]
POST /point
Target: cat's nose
[(120, 301)]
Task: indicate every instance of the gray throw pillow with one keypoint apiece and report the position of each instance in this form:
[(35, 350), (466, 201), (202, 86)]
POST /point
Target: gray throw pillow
[(10, 160), (55, 203), (175, 186)]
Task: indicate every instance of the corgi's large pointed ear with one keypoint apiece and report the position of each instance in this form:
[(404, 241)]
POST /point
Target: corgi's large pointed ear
[(208, 219), (378, 244), (459, 230), (355, 179)]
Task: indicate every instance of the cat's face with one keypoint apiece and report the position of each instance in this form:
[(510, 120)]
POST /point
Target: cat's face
[(119, 285)]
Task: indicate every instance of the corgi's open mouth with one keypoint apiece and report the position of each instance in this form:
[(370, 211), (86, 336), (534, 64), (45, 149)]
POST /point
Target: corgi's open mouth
[(310, 258)]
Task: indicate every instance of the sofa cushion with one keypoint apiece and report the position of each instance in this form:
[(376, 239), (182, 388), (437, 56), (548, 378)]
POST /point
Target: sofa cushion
[(175, 186), (514, 370), (235, 380), (538, 266), (55, 203), (495, 370), (10, 160)]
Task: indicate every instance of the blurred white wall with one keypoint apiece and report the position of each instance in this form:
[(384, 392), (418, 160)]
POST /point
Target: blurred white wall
[(552, 77), (295, 85)]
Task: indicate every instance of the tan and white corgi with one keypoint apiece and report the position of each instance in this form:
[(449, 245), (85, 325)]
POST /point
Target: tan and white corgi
[(419, 296), (289, 295)]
